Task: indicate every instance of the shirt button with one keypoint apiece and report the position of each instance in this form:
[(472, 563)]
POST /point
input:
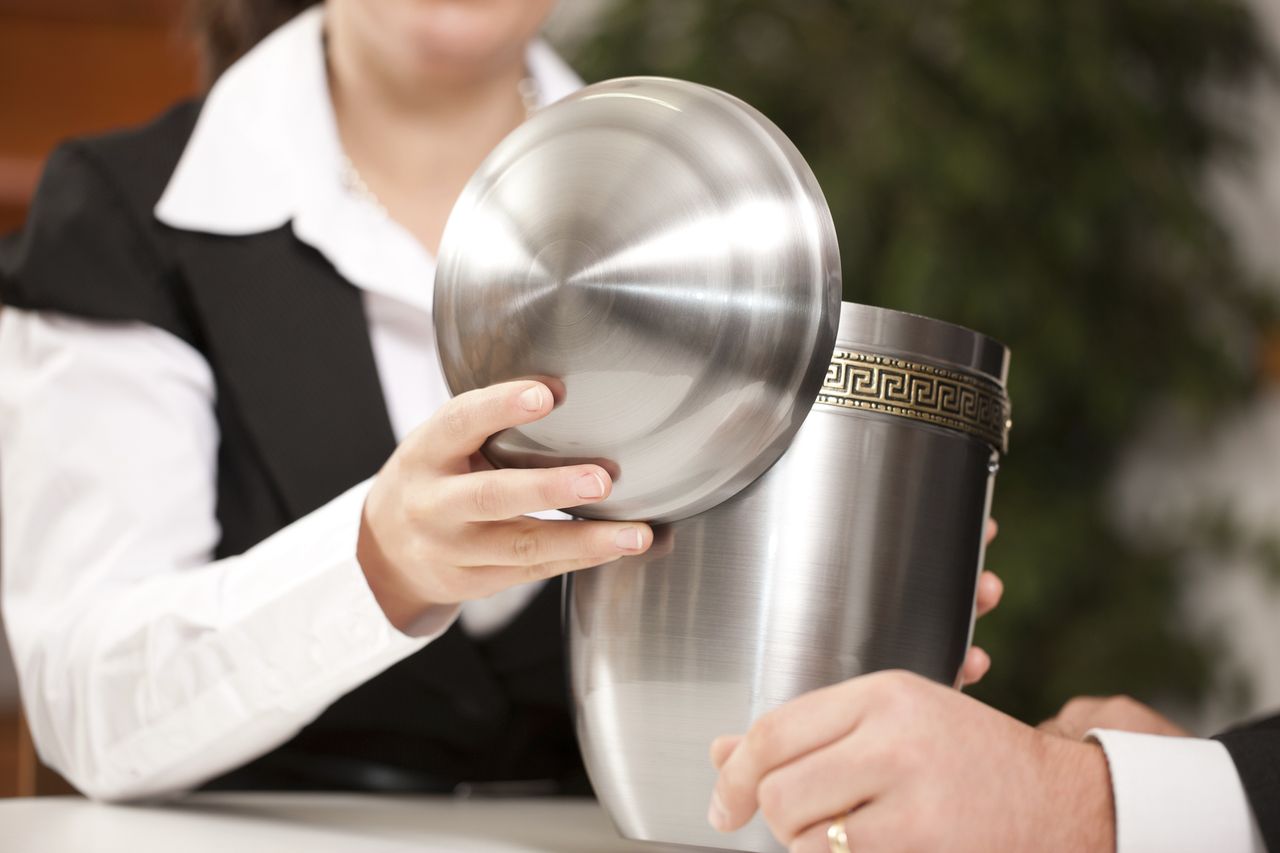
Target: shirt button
[(358, 630)]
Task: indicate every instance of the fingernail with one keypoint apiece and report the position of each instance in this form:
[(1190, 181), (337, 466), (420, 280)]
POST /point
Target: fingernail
[(589, 486), (531, 400), (629, 539), (715, 813)]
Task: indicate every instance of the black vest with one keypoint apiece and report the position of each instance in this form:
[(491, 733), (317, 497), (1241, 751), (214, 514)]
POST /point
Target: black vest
[(302, 419)]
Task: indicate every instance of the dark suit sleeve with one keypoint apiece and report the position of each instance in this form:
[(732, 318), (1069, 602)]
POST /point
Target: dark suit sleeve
[(88, 249), (1255, 749)]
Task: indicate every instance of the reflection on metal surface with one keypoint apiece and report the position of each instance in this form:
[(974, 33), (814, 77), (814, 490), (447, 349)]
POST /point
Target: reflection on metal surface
[(859, 550), (662, 253)]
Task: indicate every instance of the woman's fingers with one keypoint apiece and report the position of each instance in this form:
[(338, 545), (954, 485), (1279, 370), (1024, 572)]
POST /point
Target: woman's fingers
[(536, 542), (501, 577), (464, 424), (976, 664), (512, 492), (493, 579), (990, 533), (990, 590)]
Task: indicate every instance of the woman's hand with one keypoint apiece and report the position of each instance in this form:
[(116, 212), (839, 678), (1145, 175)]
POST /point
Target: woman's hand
[(911, 765), (990, 588), (1083, 713), (440, 529)]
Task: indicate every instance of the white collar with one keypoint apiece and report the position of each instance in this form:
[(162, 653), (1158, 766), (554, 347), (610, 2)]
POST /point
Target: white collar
[(265, 152)]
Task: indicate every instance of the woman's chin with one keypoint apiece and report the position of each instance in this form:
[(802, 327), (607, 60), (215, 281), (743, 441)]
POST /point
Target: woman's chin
[(462, 39), (459, 62)]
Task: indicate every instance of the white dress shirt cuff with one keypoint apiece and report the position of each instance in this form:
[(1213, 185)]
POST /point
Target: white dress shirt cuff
[(365, 624), (302, 644), (1177, 794)]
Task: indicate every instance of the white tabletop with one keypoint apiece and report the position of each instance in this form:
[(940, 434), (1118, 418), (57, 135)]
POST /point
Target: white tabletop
[(315, 823)]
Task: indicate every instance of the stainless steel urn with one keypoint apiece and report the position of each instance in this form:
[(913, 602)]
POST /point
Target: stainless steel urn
[(858, 550)]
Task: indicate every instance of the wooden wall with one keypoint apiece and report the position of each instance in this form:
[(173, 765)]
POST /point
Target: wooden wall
[(70, 67)]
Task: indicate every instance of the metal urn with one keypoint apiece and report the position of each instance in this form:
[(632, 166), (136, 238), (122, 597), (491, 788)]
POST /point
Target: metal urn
[(660, 254), (858, 550)]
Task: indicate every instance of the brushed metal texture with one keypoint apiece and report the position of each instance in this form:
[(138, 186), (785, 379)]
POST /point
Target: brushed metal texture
[(858, 551), (662, 255)]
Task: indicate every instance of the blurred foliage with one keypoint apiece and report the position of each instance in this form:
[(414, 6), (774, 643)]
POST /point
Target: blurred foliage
[(1034, 170)]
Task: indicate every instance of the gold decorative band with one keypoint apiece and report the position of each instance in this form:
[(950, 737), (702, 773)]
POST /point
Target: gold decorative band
[(907, 389)]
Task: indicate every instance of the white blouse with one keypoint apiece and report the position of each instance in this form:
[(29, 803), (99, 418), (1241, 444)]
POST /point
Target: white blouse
[(146, 667)]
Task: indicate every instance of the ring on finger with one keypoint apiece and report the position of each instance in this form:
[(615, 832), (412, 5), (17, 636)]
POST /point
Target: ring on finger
[(838, 836)]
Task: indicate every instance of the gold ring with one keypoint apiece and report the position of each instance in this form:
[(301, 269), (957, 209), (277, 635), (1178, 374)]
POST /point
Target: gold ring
[(838, 836)]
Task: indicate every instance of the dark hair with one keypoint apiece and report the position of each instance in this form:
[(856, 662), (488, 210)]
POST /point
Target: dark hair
[(225, 30)]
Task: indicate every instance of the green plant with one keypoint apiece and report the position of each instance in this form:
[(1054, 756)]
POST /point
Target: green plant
[(1034, 170)]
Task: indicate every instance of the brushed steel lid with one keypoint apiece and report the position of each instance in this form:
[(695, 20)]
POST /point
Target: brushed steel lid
[(660, 253), (909, 366)]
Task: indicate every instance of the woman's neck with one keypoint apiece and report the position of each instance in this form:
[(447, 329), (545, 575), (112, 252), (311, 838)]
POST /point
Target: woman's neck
[(415, 142)]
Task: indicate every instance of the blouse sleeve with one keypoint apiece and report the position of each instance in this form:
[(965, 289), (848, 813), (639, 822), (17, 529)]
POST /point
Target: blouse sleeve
[(147, 667)]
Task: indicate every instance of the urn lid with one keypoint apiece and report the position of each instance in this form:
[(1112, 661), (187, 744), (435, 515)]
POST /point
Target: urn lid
[(661, 255)]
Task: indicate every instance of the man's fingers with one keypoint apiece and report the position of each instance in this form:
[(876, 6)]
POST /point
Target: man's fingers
[(1067, 722), (990, 591), (782, 735), (990, 533), (722, 747), (512, 492), (463, 424), (865, 830), (814, 839), (976, 664), (1052, 726), (534, 542), (828, 781)]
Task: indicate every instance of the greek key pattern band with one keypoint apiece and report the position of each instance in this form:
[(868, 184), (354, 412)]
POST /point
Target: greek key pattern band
[(907, 389)]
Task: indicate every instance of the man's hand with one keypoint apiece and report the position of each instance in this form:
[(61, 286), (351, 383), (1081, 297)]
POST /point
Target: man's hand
[(914, 765), (1083, 713)]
